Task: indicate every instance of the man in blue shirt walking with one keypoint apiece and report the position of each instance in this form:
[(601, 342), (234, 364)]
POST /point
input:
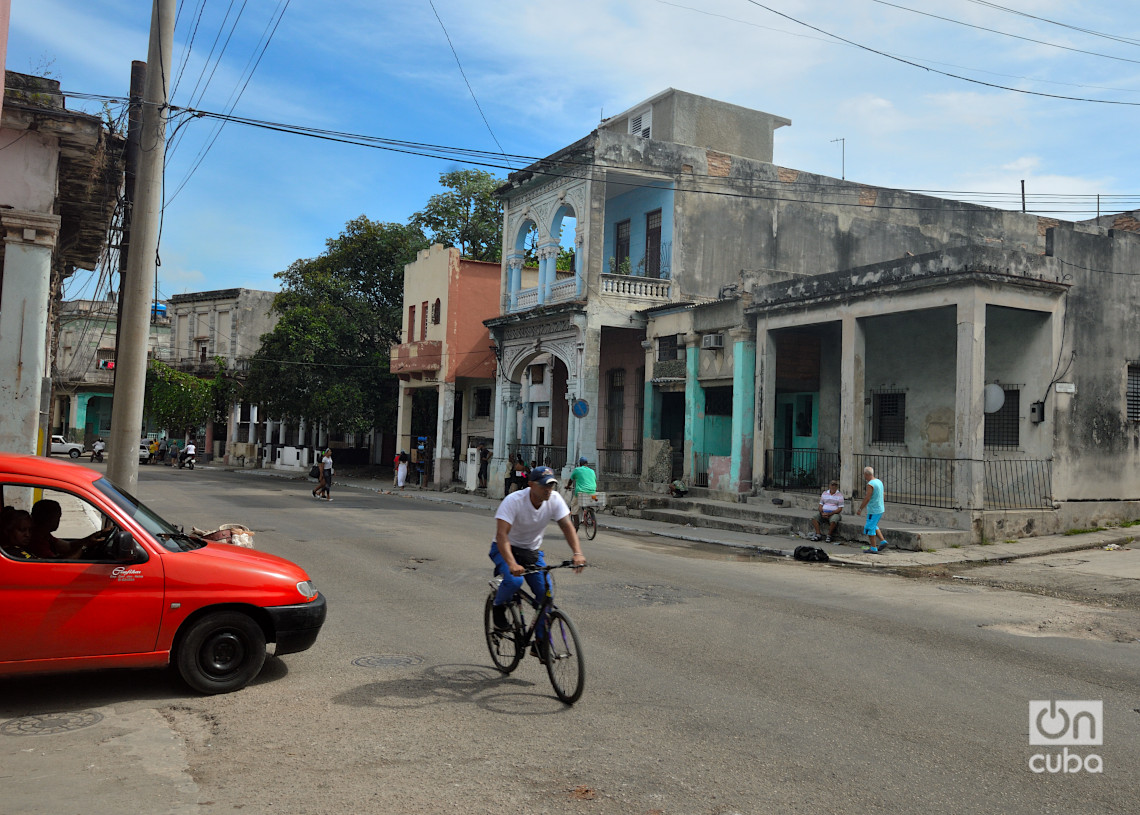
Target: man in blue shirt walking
[(873, 501)]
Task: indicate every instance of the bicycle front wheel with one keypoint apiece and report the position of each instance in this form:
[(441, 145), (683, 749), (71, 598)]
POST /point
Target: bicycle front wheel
[(504, 646), (590, 522), (565, 662)]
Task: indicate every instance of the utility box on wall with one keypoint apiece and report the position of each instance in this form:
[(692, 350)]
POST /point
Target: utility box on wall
[(1037, 412)]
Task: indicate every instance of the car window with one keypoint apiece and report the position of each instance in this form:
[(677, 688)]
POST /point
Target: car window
[(170, 536), (63, 525)]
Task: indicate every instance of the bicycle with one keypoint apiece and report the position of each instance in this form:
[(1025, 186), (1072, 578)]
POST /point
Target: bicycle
[(560, 651), (586, 503)]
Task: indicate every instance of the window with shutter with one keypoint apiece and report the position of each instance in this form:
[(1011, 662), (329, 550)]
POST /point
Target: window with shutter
[(642, 124)]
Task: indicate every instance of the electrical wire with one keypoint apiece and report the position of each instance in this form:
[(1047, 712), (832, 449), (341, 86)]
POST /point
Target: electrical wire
[(1125, 40)]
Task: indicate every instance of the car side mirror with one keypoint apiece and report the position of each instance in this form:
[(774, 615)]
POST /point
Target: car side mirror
[(124, 548)]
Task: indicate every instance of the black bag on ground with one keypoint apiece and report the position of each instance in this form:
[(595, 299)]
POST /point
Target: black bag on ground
[(314, 471), (811, 554)]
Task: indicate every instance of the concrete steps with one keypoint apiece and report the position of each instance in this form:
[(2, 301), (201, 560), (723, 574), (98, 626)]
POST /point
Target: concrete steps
[(769, 519)]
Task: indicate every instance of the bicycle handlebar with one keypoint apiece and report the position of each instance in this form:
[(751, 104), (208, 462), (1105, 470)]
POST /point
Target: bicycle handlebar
[(566, 564)]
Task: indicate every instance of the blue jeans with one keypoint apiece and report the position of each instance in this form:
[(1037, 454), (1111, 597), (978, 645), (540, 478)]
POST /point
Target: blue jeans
[(512, 584)]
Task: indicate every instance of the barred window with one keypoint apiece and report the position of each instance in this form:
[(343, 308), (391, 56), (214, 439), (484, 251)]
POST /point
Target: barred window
[(482, 402), (435, 311), (537, 374), (1134, 393), (1001, 428), (718, 401), (888, 417), (667, 348)]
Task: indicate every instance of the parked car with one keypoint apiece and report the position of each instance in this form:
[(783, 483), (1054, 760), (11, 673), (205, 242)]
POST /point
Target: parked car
[(68, 448), (129, 589), (144, 453)]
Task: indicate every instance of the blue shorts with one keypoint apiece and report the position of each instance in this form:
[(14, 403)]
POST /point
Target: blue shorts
[(872, 525)]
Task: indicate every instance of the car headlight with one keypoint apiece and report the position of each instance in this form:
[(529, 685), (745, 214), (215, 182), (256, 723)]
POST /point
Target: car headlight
[(307, 589)]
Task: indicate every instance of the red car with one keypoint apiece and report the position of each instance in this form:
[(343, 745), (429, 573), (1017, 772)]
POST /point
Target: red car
[(92, 578)]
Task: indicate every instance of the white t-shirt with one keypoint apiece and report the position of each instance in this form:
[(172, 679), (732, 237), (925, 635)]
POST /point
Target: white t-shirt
[(528, 523), (326, 463), (191, 449)]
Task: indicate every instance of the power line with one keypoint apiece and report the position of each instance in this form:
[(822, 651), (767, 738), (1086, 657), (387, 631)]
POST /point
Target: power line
[(915, 64), (1005, 33), (1125, 40)]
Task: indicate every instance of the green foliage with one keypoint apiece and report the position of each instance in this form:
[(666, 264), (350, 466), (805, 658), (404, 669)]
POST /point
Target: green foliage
[(178, 401), (467, 215), (1083, 531), (565, 260), (619, 268), (328, 356)]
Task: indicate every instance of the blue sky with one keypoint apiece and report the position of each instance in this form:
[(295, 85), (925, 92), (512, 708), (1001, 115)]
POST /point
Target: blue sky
[(543, 73)]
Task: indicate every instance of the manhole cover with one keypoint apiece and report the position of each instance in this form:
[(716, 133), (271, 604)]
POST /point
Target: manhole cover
[(50, 723), (387, 661)]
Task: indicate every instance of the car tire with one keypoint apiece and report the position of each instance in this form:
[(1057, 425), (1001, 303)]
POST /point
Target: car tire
[(221, 652), (73, 453)]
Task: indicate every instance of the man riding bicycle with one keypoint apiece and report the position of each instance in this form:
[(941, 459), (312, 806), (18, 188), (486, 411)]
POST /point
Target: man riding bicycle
[(582, 480), (520, 522)]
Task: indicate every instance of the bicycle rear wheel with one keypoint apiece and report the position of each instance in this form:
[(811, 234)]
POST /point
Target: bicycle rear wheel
[(590, 522), (505, 650), (565, 662)]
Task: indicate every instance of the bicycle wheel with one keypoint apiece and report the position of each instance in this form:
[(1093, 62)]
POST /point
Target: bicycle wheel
[(504, 646), (565, 662), (590, 522)]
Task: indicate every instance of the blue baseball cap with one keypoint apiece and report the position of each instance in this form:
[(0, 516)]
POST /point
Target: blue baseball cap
[(543, 475), (582, 460)]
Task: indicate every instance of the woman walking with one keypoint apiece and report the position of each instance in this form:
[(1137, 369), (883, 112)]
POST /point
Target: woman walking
[(326, 474), (402, 470)]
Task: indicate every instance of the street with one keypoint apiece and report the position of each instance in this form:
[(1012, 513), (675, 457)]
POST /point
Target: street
[(717, 682)]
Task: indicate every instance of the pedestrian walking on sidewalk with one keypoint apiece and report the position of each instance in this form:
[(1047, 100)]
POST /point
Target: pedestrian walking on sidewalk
[(873, 502), (402, 469), (326, 475)]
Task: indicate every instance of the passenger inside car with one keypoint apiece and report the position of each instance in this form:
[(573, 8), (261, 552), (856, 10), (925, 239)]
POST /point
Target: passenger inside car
[(16, 533)]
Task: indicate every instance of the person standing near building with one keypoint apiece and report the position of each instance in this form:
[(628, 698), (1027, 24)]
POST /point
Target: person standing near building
[(326, 475), (582, 480), (876, 506), (402, 468)]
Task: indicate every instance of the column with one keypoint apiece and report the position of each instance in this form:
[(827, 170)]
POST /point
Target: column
[(852, 387), (514, 279), (251, 436), (969, 404), (302, 448), (79, 412), (694, 405), (579, 259), (29, 238), (322, 432), (572, 423), (743, 409), (404, 419), (506, 434), (444, 466), (649, 426)]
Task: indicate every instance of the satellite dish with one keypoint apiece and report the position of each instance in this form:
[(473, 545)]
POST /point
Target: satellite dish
[(993, 398)]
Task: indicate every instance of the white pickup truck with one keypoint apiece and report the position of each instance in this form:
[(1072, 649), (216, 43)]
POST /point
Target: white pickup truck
[(70, 448)]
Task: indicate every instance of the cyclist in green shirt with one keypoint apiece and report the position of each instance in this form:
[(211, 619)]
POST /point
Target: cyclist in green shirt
[(582, 480)]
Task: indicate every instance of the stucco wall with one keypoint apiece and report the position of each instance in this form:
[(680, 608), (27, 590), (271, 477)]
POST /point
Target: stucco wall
[(28, 173)]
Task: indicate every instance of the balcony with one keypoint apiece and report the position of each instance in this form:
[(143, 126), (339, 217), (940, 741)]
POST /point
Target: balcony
[(416, 358), (648, 289)]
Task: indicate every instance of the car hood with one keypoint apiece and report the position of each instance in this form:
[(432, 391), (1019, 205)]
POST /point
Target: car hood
[(266, 579)]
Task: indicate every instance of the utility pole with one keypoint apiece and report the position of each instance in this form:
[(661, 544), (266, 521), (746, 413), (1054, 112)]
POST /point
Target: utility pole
[(842, 158), (134, 328), (134, 125)]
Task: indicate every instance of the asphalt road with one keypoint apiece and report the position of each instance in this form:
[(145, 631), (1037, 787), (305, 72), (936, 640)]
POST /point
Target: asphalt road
[(717, 683)]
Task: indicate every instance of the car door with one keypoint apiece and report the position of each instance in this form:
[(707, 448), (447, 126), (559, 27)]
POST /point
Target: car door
[(89, 606)]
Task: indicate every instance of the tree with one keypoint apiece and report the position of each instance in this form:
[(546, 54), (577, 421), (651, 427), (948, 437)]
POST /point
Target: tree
[(182, 402), (467, 216), (328, 356)]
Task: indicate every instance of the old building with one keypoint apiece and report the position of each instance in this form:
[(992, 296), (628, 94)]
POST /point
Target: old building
[(445, 350), (750, 327), (60, 177), (224, 325), (83, 371)]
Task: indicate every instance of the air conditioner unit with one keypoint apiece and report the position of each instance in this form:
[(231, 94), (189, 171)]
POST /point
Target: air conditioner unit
[(712, 341)]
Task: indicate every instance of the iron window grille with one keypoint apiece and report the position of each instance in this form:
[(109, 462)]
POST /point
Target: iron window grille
[(621, 244), (667, 348), (482, 403), (718, 401), (1133, 397), (1001, 428), (888, 417)]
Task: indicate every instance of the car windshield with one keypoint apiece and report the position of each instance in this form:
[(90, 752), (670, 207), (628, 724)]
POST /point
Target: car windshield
[(168, 535)]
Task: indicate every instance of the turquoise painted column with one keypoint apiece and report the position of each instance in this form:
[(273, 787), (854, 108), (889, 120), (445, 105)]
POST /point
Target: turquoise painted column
[(694, 405), (743, 409), (81, 400), (548, 275)]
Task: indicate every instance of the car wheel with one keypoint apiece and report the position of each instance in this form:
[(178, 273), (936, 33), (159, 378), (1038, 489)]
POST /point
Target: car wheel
[(73, 453), (221, 652)]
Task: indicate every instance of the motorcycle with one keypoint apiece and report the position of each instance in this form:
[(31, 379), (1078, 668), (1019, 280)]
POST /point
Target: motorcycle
[(185, 460), (97, 454)]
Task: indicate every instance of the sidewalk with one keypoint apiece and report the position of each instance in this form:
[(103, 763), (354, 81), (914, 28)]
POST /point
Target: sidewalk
[(1126, 565)]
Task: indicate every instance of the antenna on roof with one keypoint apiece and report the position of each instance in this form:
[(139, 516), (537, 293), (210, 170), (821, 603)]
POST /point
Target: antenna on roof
[(843, 158), (601, 114)]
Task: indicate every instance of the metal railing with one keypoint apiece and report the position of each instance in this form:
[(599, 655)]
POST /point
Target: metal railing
[(800, 470), (924, 482), (543, 454), (1018, 484), (700, 469), (619, 462)]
